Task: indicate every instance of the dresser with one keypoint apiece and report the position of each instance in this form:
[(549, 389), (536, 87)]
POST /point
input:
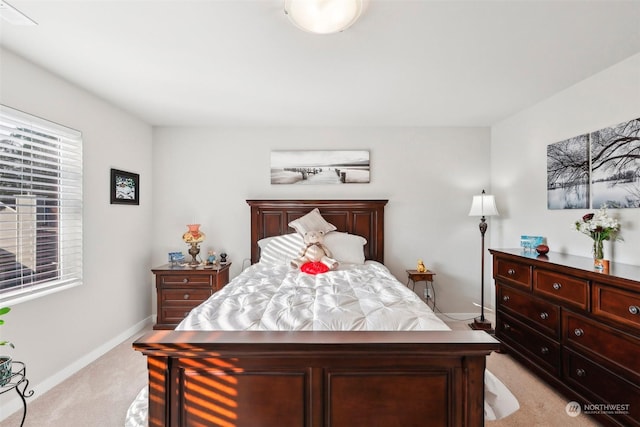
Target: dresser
[(575, 327), (179, 289)]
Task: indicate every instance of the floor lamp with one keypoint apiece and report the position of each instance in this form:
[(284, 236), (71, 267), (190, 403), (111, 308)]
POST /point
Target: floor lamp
[(482, 205)]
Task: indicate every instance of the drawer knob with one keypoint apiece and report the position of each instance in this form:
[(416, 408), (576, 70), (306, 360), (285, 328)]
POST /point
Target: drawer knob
[(544, 315), (505, 298), (185, 280), (578, 332), (507, 327), (581, 372), (544, 350), (634, 309), (186, 296), (511, 272), (557, 286)]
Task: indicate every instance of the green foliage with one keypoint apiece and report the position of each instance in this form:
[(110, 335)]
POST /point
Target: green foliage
[(3, 311)]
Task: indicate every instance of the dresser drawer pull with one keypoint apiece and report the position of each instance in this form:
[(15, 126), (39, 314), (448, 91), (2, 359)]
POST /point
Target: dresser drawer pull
[(634, 309), (511, 272), (581, 372), (186, 296), (507, 327), (578, 332), (544, 315), (506, 298), (185, 280), (544, 350), (557, 286)]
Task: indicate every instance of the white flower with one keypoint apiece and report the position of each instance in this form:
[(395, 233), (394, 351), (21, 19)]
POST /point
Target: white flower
[(598, 226)]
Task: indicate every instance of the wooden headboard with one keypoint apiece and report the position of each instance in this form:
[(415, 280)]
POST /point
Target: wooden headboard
[(362, 217)]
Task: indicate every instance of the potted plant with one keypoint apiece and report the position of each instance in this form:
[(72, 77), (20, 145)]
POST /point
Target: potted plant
[(5, 361)]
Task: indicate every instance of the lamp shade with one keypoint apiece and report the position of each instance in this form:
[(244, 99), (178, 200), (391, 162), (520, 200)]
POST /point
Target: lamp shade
[(483, 205), (323, 16), (194, 235)]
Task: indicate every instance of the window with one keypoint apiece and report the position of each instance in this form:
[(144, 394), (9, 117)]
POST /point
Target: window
[(40, 206)]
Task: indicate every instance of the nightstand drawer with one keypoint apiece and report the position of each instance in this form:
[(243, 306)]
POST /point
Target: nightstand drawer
[(184, 296), (513, 272), (175, 315), (617, 305), (618, 350), (543, 314), (560, 287), (185, 279)]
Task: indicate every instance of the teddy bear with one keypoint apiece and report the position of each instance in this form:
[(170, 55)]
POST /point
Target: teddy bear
[(314, 251), (421, 267)]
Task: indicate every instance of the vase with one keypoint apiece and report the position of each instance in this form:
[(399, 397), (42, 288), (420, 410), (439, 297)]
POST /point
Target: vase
[(5, 370), (598, 255)]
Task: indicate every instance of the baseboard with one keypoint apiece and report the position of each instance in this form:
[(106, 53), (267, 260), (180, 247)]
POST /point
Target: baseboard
[(14, 404)]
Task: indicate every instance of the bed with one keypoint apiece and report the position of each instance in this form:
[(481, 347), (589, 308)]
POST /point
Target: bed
[(226, 366)]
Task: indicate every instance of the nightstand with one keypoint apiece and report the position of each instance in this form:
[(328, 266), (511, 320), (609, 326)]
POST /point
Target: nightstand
[(179, 289), (414, 276)]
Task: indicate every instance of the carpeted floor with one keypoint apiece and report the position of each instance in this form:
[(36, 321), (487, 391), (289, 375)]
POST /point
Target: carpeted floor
[(99, 395)]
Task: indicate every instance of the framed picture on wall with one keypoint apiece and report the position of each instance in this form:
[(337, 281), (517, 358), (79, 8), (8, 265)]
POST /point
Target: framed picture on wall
[(568, 173), (320, 167), (615, 166), (597, 169), (125, 188)]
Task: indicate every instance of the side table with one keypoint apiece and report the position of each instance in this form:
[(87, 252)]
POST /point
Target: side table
[(18, 381), (181, 288), (414, 276)]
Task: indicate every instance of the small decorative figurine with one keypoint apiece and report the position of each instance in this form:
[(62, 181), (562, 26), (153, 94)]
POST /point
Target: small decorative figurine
[(211, 258), (421, 268), (223, 258)]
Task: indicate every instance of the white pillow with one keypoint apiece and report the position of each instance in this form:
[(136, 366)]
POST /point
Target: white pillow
[(345, 247), (280, 250), (312, 221)]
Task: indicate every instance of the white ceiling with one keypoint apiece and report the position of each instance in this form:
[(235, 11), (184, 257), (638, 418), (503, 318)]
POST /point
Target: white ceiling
[(404, 63)]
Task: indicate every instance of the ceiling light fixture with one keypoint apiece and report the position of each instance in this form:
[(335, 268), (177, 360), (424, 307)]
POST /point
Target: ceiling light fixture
[(14, 16), (323, 16)]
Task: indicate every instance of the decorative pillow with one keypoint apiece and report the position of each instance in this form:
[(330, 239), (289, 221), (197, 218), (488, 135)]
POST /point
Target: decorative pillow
[(345, 247), (280, 250), (314, 267), (312, 221)]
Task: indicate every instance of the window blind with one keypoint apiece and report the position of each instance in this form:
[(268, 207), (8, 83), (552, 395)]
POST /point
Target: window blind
[(40, 206)]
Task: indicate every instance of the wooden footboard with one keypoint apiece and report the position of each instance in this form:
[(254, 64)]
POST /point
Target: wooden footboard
[(337, 379)]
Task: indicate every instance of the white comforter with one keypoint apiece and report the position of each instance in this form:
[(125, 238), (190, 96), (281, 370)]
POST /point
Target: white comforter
[(353, 297), (278, 298)]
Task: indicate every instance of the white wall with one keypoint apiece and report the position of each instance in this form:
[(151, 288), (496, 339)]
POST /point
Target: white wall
[(57, 334), (428, 175), (518, 157)]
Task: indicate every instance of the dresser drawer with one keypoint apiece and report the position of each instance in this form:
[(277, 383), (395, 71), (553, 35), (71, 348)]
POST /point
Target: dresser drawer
[(617, 305), (545, 315), (514, 273), (568, 290), (530, 343), (618, 350), (603, 386), (184, 297), (185, 279)]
